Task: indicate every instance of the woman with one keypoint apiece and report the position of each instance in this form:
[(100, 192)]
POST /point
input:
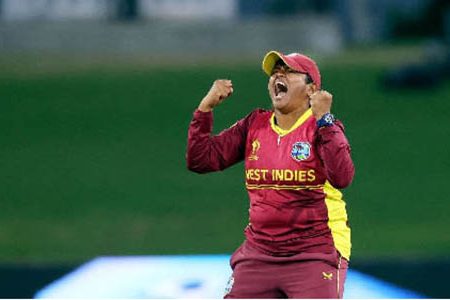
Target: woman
[(296, 158)]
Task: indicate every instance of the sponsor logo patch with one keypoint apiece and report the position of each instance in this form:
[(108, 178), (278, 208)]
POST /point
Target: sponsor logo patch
[(327, 276), (301, 151)]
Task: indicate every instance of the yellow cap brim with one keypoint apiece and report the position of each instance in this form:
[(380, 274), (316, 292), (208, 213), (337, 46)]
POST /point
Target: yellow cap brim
[(270, 60)]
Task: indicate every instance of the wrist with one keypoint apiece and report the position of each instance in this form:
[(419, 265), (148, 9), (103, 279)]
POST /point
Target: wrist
[(204, 107), (319, 115), (326, 120)]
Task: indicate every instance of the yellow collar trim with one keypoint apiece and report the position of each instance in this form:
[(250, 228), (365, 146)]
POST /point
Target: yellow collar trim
[(298, 123)]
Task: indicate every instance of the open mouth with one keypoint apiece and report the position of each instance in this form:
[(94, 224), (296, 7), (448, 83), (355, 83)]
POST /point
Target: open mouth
[(280, 89)]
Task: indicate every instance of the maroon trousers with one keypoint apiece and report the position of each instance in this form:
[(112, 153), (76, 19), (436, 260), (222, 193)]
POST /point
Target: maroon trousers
[(306, 275)]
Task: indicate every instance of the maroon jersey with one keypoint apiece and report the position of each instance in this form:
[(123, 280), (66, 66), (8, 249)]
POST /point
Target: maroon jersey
[(292, 179)]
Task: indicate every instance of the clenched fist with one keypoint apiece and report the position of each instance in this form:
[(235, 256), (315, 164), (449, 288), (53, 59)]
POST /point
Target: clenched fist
[(321, 103), (220, 90)]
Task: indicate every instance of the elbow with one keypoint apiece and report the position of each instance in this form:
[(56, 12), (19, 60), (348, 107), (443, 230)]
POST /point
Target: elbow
[(194, 166), (191, 167), (191, 163), (341, 184), (195, 169), (343, 180)]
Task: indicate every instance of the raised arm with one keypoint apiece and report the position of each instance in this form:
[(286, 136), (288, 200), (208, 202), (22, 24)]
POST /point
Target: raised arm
[(206, 153), (332, 145)]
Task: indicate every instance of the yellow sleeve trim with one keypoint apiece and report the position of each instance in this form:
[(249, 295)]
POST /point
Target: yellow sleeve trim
[(337, 220), (298, 123)]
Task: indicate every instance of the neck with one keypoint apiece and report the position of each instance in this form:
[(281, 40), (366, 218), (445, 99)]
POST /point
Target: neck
[(285, 120)]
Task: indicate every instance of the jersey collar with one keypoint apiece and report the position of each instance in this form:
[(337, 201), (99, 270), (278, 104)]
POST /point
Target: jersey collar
[(298, 123)]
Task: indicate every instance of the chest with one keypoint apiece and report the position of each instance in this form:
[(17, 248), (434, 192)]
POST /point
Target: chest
[(289, 159)]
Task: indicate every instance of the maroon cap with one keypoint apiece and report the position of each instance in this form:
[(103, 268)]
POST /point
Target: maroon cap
[(296, 61)]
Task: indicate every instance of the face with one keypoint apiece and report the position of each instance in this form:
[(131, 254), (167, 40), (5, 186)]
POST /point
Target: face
[(288, 89)]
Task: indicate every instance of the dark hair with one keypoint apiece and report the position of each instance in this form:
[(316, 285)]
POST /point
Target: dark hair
[(279, 63), (308, 79)]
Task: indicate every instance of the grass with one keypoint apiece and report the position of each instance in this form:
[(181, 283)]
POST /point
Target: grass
[(92, 163)]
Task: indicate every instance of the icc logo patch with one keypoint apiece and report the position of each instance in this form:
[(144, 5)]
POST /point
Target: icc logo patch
[(301, 151), (255, 147)]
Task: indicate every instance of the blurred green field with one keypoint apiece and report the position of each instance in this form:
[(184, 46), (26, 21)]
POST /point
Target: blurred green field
[(92, 163)]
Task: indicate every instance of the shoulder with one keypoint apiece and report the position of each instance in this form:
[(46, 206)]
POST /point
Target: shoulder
[(259, 114), (256, 116)]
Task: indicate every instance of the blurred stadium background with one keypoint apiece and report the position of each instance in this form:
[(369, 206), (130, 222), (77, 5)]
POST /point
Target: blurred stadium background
[(96, 97)]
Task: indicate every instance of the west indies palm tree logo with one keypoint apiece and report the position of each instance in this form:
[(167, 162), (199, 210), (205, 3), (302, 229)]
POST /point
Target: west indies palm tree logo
[(301, 151)]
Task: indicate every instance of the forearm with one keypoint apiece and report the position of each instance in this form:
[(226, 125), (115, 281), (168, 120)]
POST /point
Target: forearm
[(206, 153), (198, 145), (335, 153)]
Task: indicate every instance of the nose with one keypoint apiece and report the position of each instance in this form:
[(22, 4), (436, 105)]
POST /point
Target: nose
[(279, 73)]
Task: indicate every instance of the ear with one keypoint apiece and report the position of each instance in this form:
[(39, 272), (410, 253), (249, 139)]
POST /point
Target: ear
[(311, 88)]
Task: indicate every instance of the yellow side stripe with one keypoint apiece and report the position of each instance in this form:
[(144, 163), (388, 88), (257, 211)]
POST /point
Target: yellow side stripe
[(337, 220)]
